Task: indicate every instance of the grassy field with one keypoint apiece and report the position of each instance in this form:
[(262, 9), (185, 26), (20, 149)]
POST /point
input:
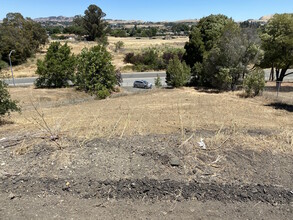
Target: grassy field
[(130, 45), (70, 114)]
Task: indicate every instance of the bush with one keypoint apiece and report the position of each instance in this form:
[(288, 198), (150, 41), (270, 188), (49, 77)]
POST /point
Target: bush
[(118, 45), (149, 59), (170, 54), (6, 104), (95, 72), (128, 58), (158, 82), (254, 82), (178, 73), (57, 68)]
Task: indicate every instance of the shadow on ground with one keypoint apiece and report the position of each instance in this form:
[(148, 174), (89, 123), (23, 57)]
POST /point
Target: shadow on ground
[(281, 106)]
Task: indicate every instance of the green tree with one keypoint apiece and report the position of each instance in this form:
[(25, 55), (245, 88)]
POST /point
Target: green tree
[(95, 72), (277, 42), (203, 37), (57, 68), (229, 60), (178, 73), (93, 23), (22, 35)]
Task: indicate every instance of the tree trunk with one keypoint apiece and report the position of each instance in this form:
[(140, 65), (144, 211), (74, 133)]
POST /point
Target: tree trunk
[(272, 75), (277, 73), (282, 75)]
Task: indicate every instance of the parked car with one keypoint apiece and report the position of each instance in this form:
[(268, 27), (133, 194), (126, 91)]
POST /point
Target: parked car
[(142, 84)]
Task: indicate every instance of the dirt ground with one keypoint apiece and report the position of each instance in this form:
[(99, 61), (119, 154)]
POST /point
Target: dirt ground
[(136, 156)]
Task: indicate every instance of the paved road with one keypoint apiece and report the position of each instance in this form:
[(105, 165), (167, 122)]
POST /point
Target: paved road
[(128, 79)]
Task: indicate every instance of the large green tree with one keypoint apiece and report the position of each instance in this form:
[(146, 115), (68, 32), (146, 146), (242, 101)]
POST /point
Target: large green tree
[(203, 37), (277, 42), (230, 59), (92, 24), (22, 35)]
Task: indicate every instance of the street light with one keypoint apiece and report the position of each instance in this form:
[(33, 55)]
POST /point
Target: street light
[(11, 65)]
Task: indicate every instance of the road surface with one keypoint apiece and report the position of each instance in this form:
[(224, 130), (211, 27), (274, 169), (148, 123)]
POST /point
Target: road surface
[(128, 79)]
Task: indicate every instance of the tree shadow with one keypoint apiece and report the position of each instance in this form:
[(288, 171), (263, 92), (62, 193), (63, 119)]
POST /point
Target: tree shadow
[(281, 106), (282, 89), (208, 90)]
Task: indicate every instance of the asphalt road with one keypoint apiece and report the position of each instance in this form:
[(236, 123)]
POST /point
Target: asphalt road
[(128, 78)]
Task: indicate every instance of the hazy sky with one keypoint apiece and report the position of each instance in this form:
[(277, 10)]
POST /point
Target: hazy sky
[(149, 10)]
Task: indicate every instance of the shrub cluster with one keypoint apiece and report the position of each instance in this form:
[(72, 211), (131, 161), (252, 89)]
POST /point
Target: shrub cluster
[(91, 71), (152, 59)]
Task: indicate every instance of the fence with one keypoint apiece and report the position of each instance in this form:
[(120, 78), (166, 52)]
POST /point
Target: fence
[(279, 92)]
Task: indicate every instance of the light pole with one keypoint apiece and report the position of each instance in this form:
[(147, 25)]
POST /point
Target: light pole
[(11, 65)]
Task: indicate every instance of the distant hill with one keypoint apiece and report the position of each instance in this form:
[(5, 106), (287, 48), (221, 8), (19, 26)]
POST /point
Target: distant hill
[(266, 17), (54, 19), (62, 20)]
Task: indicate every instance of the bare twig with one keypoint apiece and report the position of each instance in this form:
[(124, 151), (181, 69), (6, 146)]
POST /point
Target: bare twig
[(188, 139)]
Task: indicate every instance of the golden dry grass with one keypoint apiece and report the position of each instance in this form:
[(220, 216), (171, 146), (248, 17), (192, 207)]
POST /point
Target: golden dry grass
[(241, 122), (130, 45)]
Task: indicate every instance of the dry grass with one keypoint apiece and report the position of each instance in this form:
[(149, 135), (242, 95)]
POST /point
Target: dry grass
[(237, 121), (285, 93), (130, 45)]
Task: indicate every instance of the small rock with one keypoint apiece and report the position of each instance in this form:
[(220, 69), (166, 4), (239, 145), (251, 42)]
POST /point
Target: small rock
[(11, 196), (175, 162)]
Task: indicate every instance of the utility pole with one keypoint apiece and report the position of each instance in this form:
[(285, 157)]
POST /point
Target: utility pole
[(11, 65)]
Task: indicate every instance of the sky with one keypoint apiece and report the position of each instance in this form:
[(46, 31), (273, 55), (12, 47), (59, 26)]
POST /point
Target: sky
[(149, 10)]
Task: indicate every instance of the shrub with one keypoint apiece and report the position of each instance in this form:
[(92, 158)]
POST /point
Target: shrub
[(254, 82), (6, 104), (178, 73), (118, 45), (95, 72), (57, 68), (158, 82), (149, 59), (171, 53), (128, 58)]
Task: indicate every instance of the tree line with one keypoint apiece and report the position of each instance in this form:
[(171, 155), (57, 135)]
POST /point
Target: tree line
[(223, 55)]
